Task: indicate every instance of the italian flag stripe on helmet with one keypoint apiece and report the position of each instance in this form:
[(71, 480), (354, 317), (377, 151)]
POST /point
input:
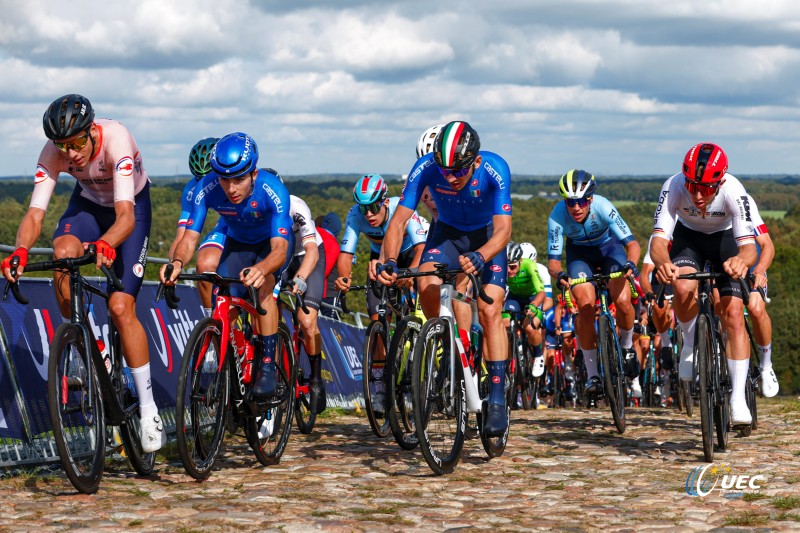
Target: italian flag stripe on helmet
[(449, 143)]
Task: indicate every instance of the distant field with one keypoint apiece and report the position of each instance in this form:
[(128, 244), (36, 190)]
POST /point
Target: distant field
[(623, 203), (772, 214)]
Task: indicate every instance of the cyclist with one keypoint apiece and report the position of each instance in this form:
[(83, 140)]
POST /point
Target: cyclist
[(211, 247), (597, 239), (255, 205), (306, 274), (557, 321), (471, 189), (329, 226), (705, 212), (762, 324), (110, 207), (529, 252), (525, 296), (663, 319), (424, 147)]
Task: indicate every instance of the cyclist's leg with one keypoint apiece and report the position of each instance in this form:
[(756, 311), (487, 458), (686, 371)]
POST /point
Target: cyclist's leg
[(762, 335), (581, 262), (688, 254), (310, 328)]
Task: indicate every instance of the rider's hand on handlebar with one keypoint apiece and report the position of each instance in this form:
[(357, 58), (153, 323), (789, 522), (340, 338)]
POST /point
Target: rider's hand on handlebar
[(387, 272), (255, 277), (631, 266), (176, 270), (342, 284), (299, 285), (760, 280), (735, 267), (105, 252), (562, 280), (472, 263), (22, 255), (667, 273)]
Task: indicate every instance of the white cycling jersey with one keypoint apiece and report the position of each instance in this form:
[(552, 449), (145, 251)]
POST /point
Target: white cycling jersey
[(115, 174), (730, 208), (302, 225)]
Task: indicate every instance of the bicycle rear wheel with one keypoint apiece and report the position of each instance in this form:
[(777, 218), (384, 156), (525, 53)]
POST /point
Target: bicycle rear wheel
[(398, 381), (76, 409), (703, 352), (203, 399), (613, 373), (752, 391), (511, 368), (722, 407), (130, 430), (269, 432), (440, 410), (305, 412), (373, 379), (494, 446), (649, 385), (530, 385)]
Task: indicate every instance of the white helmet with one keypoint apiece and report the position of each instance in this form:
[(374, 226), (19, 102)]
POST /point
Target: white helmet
[(425, 142), (528, 250)]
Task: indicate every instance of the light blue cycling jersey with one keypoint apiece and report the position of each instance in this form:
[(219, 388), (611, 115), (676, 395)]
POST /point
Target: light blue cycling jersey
[(601, 225), (262, 215), (356, 223), (487, 194)]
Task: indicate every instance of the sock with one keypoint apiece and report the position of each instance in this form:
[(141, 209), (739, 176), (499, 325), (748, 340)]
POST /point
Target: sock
[(144, 388), (765, 353), (590, 360), (537, 351), (666, 340), (268, 357), (207, 312), (738, 371), (688, 338), (315, 362), (626, 338), (497, 385)]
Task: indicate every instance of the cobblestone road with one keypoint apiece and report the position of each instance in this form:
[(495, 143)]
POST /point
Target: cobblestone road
[(563, 469)]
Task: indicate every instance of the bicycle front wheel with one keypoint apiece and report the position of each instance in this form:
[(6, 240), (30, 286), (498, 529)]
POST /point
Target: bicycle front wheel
[(703, 352), (722, 407), (373, 378), (76, 409), (203, 399), (613, 373), (529, 385), (305, 412), (398, 381), (650, 378), (440, 410), (269, 432)]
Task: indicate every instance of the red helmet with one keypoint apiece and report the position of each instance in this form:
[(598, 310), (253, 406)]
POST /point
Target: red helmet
[(705, 163)]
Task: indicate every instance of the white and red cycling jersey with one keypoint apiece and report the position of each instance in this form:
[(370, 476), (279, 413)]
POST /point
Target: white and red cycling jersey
[(114, 174), (730, 208)]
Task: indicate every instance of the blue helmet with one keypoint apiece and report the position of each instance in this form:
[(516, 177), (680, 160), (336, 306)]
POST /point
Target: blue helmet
[(370, 188), (234, 155)]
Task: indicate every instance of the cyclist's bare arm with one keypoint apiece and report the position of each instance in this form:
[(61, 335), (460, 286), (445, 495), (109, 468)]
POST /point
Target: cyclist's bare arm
[(393, 239), (178, 235), (738, 265), (634, 251), (28, 232), (554, 268), (764, 260), (182, 252), (309, 260), (344, 266), (667, 272), (644, 277)]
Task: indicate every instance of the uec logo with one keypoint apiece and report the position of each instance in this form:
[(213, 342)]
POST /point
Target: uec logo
[(704, 479)]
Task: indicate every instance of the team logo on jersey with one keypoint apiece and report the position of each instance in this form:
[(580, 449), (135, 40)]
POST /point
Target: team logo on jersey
[(282, 231), (125, 166), (434, 251), (421, 231), (67, 228), (190, 222), (138, 270), (253, 204), (496, 268), (41, 174), (475, 183), (506, 207)]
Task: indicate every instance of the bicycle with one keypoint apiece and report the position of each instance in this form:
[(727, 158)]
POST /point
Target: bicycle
[(214, 389), (447, 382), (650, 379), (710, 382), (306, 397), (86, 392), (753, 383), (609, 351), (522, 370)]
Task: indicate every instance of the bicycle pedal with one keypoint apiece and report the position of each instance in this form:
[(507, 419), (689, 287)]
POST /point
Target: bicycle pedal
[(471, 432)]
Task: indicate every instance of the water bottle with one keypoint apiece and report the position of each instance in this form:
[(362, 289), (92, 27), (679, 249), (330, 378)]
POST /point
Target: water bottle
[(247, 362)]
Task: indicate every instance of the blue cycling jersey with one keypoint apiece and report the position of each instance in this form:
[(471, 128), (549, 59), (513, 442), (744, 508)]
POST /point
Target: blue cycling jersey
[(356, 223), (600, 226), (186, 201), (262, 215), (487, 194)]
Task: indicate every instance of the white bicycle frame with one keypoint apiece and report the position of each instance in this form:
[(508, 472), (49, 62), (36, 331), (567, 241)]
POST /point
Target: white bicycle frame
[(448, 293)]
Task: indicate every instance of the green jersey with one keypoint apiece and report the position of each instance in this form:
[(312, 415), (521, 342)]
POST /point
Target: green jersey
[(527, 282)]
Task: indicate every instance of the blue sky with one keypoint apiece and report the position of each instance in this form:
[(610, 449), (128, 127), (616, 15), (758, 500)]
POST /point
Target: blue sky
[(615, 87)]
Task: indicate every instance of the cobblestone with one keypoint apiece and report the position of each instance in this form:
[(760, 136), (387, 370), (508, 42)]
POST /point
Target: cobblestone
[(562, 469)]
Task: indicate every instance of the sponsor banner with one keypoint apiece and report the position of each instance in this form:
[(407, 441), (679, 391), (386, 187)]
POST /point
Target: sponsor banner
[(10, 417)]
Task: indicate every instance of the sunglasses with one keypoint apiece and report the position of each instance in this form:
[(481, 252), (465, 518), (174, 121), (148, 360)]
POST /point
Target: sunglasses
[(460, 173), (373, 208), (75, 145), (580, 202), (513, 266), (706, 190)]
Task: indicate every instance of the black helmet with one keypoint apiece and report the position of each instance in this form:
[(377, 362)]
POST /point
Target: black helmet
[(456, 146), (67, 116), (200, 157)]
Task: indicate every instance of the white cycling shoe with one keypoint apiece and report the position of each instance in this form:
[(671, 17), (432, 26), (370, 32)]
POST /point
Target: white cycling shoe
[(636, 388), (267, 428), (538, 366), (769, 382), (740, 414), (685, 369), (153, 434)]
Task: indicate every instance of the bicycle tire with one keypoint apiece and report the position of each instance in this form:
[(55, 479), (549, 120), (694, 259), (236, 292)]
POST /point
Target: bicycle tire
[(493, 446), (378, 420), (722, 407), (649, 385), (511, 369), (753, 379), (703, 354), (268, 433), (130, 430), (203, 399), (558, 386), (399, 359), (440, 418), (750, 398), (520, 378), (77, 414), (611, 358), (530, 385), (305, 412)]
